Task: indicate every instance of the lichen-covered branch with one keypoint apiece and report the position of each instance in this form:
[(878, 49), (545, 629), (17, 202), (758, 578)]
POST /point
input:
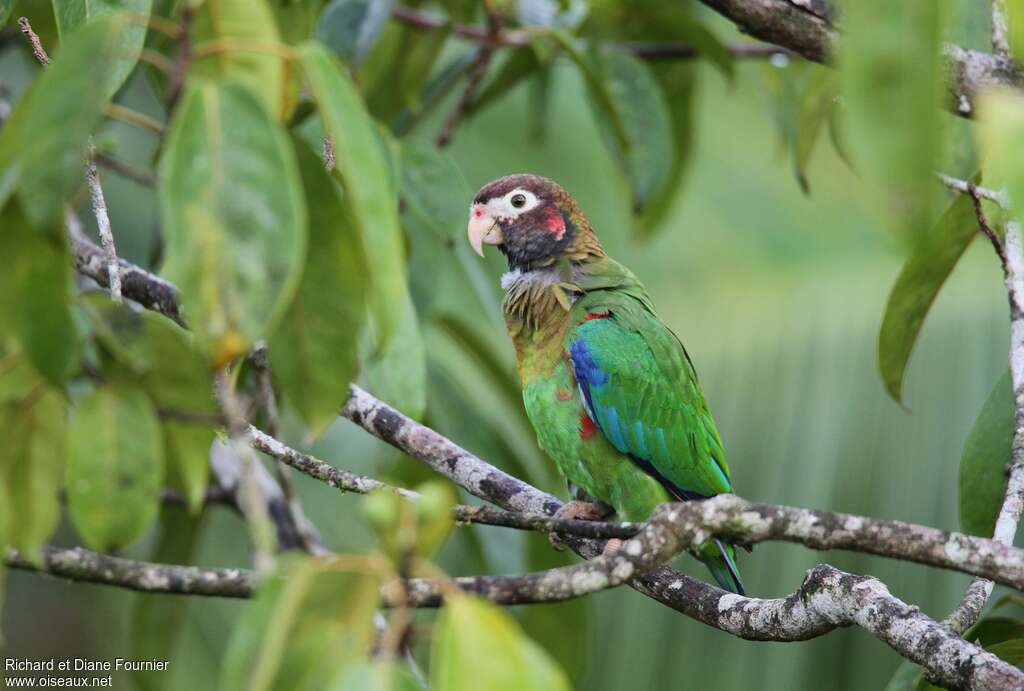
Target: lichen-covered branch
[(476, 476), (723, 516), (145, 288), (79, 564), (828, 598), (347, 481)]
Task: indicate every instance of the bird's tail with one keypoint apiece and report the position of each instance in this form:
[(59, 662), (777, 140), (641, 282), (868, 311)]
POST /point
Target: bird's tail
[(720, 558)]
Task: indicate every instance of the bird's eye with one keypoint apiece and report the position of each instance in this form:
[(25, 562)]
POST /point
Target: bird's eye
[(518, 200)]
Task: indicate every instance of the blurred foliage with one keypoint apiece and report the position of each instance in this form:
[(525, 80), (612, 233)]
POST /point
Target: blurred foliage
[(694, 173)]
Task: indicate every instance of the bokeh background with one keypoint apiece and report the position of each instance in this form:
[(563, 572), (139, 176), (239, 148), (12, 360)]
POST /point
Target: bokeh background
[(778, 296)]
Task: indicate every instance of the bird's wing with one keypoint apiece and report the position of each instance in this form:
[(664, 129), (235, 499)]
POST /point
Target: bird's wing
[(641, 391)]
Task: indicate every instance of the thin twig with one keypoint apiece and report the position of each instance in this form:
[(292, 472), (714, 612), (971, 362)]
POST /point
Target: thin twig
[(328, 154), (517, 38), (99, 210), (33, 39), (92, 179), (476, 74), (965, 186), (253, 504), (133, 118), (979, 591), (1000, 29), (182, 58), (260, 361), (126, 170), (989, 232), (347, 481)]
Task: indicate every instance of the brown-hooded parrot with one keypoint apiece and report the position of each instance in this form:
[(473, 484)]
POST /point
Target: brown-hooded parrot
[(608, 388)]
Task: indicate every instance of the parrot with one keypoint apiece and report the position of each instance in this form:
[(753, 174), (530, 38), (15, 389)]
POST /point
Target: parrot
[(608, 388)]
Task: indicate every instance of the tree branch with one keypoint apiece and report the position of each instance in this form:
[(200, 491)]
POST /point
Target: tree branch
[(145, 288), (804, 27), (99, 210), (726, 516), (672, 50)]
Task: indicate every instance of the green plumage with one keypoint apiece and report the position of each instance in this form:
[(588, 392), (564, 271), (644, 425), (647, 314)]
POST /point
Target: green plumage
[(609, 389), (613, 396)]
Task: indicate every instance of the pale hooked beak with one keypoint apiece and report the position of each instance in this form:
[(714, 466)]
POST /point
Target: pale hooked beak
[(482, 229)]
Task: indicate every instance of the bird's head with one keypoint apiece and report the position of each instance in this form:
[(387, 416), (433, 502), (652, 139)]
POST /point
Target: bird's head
[(532, 220)]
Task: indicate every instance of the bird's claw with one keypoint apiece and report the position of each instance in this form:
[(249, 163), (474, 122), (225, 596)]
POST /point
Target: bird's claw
[(613, 545), (577, 510)]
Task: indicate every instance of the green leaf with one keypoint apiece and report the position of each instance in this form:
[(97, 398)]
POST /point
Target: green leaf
[(636, 97), (707, 42), (522, 62), (398, 373), (42, 287), (1011, 651), (437, 89), (5, 13), (892, 71), (315, 348), (1001, 134), (248, 35), (395, 74), (17, 378), (32, 466), (917, 286), (598, 89), (115, 466), (479, 646), (1015, 24), (365, 175), (351, 27), (163, 359), (72, 14), (433, 187), (309, 623), (817, 104), (678, 78), (556, 626), (983, 463), (992, 630), (378, 675), (233, 215), (42, 144)]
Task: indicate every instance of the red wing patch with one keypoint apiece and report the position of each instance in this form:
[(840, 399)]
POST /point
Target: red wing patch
[(587, 426), (596, 315)]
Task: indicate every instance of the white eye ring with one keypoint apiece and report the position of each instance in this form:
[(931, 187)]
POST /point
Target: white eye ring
[(516, 202)]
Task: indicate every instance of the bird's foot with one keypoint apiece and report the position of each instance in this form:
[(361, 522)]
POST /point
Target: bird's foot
[(578, 510), (612, 546), (583, 510)]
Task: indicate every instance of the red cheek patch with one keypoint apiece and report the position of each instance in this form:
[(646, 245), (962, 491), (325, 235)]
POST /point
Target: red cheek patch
[(555, 224)]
